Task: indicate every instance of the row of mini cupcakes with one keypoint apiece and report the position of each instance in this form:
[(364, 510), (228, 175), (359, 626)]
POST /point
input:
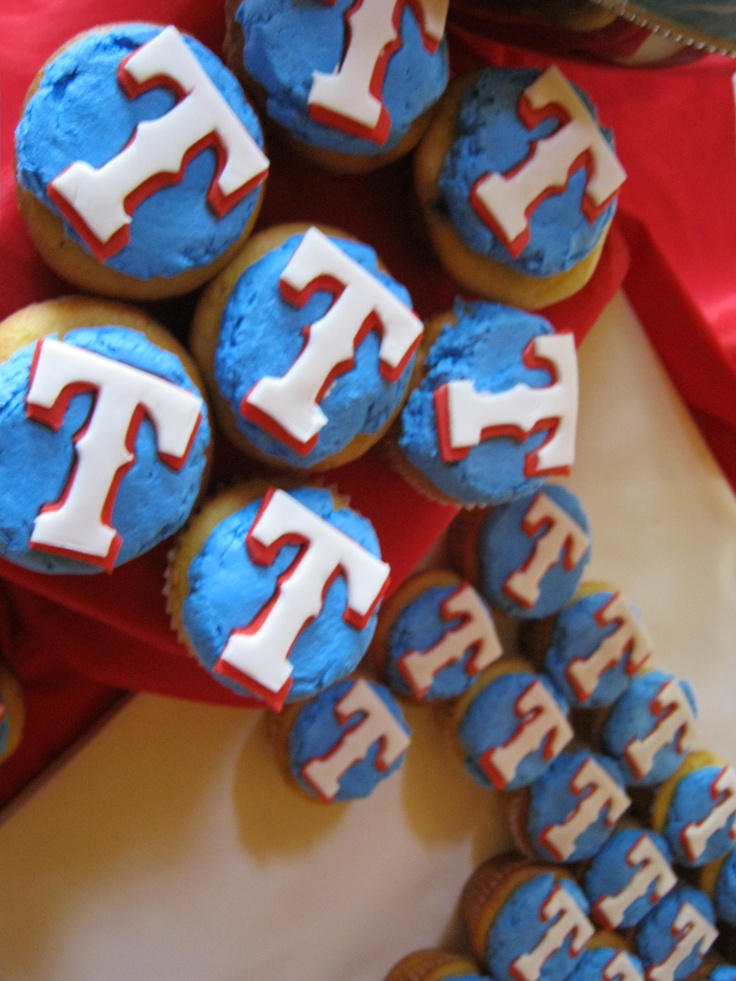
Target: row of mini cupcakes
[(142, 178)]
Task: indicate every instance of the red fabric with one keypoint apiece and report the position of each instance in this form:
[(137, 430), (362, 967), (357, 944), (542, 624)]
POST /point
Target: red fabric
[(77, 642)]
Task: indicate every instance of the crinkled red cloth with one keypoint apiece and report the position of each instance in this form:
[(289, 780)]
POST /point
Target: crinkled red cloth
[(77, 642)]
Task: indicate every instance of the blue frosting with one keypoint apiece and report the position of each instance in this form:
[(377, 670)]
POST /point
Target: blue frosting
[(632, 716), (592, 963), (415, 78), (80, 112), (261, 334), (724, 972), (504, 547), (490, 721), (490, 138), (519, 927), (486, 347), (552, 802), (692, 802), (577, 635), (655, 937), (227, 590), (419, 626), (316, 731), (724, 895), (152, 502), (609, 872)]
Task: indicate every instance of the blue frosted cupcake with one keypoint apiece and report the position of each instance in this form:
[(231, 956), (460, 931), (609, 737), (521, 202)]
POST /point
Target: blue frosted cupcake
[(494, 412), (674, 938), (357, 90), (342, 743), (509, 203), (139, 161)]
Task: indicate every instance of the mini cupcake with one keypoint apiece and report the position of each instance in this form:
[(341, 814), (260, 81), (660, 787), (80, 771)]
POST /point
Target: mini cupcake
[(675, 936), (104, 435), (342, 743), (530, 554), (139, 162), (695, 809), (275, 591), (599, 643), (628, 877), (718, 880), (308, 346), (525, 920), (434, 635), (517, 184), (570, 811), (651, 728), (357, 90), (605, 957), (494, 413), (510, 725)]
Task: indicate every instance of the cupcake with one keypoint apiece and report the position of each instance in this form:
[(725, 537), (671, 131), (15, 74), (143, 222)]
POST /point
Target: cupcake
[(570, 811), (530, 554), (510, 725), (517, 184), (695, 809), (599, 643), (357, 90), (525, 920), (342, 743), (494, 412), (139, 162), (627, 877), (675, 936), (606, 957), (434, 635), (651, 728), (275, 591), (104, 435), (308, 345)]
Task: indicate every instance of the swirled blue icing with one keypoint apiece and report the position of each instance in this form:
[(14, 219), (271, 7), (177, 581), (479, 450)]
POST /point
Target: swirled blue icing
[(693, 801), (227, 591), (316, 731), (80, 112), (415, 77), (153, 500), (724, 895), (485, 346), (262, 334), (490, 138), (504, 547)]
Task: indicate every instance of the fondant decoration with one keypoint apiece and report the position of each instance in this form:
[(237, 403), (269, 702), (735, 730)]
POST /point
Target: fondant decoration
[(574, 805), (346, 740), (351, 98), (288, 406), (607, 964), (627, 877), (79, 523), (674, 938), (98, 201), (598, 645), (505, 200), (699, 821), (651, 728)]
